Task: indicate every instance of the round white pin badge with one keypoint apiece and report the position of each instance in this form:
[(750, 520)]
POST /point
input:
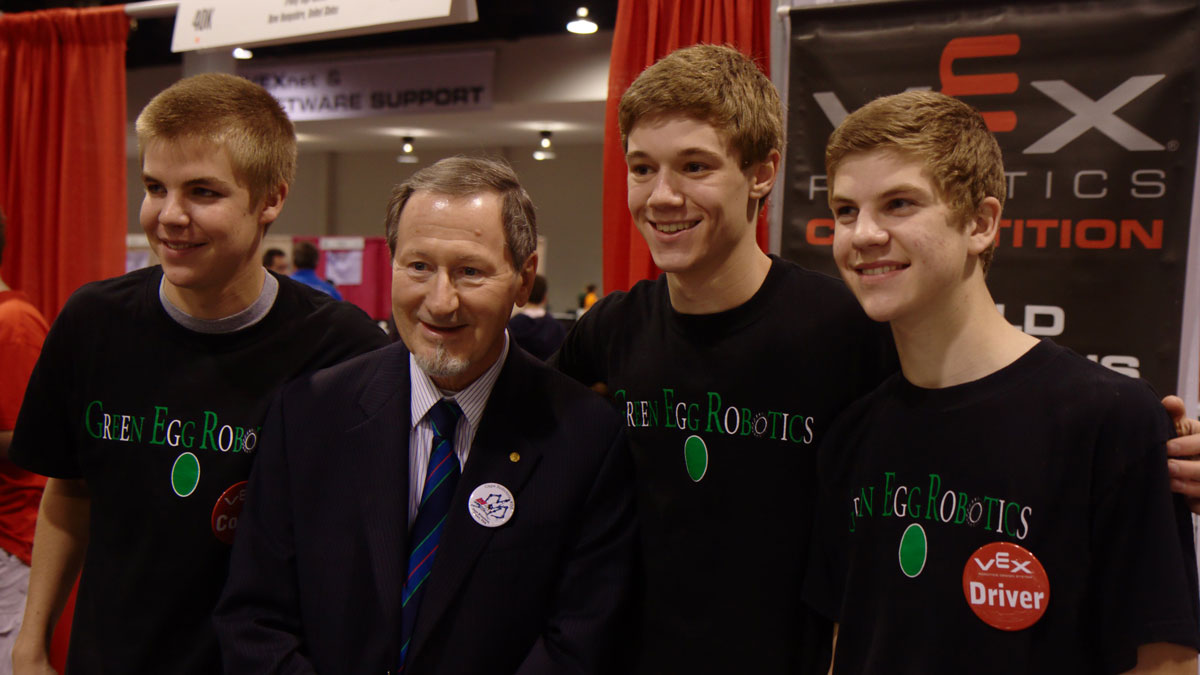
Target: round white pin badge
[(491, 505)]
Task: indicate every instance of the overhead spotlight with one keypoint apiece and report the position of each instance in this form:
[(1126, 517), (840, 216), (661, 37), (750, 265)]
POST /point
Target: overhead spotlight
[(546, 150), (242, 54), (406, 155), (582, 25)]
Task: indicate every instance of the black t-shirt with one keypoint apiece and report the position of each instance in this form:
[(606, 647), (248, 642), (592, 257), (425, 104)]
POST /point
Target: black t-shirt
[(1052, 454), (162, 422), (725, 412)]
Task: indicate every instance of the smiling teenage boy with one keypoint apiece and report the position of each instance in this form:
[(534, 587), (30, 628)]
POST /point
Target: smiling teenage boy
[(728, 369), (1001, 505), (146, 404)]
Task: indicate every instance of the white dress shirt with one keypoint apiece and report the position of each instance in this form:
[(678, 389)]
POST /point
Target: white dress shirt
[(424, 394)]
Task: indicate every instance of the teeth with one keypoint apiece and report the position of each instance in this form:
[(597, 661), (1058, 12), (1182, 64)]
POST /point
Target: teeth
[(875, 271), (179, 247), (668, 228)]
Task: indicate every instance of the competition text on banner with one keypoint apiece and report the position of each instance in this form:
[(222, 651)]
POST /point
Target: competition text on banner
[(1095, 110)]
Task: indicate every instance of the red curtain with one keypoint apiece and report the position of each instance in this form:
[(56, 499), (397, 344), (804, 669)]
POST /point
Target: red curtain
[(62, 149), (374, 294), (646, 31)]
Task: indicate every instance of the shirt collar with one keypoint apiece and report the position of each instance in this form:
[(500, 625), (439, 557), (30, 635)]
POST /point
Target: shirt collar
[(471, 400)]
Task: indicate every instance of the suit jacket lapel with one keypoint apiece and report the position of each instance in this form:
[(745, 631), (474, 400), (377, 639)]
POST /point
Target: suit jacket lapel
[(382, 443), (490, 461)]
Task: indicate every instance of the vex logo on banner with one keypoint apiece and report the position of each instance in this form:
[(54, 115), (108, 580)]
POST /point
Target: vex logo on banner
[(1088, 114), (1094, 106)]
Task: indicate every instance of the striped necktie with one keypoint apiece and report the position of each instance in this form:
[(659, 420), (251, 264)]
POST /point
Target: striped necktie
[(440, 480)]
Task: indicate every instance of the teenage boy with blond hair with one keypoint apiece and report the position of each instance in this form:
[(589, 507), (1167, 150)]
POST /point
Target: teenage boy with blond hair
[(1001, 505), (146, 404), (728, 369)]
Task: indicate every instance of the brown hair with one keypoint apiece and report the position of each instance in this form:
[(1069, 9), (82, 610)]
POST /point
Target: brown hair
[(715, 84), (465, 176), (230, 112), (305, 256), (947, 135)]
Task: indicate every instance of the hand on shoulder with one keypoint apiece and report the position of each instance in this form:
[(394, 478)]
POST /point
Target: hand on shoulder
[(1183, 452)]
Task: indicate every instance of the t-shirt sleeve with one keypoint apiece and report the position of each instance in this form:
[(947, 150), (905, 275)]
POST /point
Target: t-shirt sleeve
[(348, 332), (1144, 586), (44, 436), (581, 353)]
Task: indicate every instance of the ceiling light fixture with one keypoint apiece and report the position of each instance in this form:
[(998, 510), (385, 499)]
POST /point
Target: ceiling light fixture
[(546, 150), (406, 155), (582, 25), (242, 54)]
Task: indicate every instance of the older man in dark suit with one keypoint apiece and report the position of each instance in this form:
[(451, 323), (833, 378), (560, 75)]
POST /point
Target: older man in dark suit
[(444, 505)]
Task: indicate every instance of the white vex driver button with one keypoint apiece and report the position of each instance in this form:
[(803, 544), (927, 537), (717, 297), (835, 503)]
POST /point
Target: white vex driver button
[(491, 505)]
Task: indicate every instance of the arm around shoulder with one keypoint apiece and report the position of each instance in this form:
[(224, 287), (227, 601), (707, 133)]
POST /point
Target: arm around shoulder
[(59, 543), (1184, 453), (1164, 658)]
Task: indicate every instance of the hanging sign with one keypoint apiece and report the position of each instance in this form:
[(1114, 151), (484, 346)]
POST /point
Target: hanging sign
[(206, 24), (443, 82)]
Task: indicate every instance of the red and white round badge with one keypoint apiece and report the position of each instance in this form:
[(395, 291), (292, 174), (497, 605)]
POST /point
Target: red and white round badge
[(1006, 586)]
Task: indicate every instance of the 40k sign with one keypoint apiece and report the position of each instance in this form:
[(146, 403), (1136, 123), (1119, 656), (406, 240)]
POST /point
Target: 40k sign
[(1094, 105)]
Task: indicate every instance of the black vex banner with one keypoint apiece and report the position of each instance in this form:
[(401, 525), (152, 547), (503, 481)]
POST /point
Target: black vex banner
[(1094, 105)]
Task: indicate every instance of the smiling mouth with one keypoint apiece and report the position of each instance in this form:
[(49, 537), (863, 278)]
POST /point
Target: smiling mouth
[(671, 228), (180, 246), (883, 269), (442, 331)]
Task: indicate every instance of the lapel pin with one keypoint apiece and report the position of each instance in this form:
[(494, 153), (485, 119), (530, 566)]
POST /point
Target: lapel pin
[(514, 457), (491, 504)]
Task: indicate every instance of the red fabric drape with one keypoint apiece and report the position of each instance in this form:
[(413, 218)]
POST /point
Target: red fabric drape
[(646, 31), (374, 294), (62, 149)]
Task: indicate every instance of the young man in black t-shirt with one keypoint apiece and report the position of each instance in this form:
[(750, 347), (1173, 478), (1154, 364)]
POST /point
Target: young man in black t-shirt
[(728, 370), (147, 402), (1001, 505)]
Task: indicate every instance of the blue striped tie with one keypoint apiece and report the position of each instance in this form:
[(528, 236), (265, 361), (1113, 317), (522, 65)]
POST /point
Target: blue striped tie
[(440, 480)]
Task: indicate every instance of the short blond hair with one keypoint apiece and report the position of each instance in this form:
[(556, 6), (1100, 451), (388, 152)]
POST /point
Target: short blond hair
[(714, 84), (948, 136), (230, 112)]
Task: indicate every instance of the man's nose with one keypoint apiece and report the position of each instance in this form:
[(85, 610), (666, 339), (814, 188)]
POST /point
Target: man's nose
[(443, 295)]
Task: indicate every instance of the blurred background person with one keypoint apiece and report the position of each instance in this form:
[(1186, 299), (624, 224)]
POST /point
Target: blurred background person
[(588, 298), (533, 327), (276, 261), (304, 257), (22, 330)]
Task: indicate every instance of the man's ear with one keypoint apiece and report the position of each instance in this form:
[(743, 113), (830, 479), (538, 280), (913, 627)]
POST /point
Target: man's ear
[(527, 272), (273, 204), (985, 226), (764, 174)]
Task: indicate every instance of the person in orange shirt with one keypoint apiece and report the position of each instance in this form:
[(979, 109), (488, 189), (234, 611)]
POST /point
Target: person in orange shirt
[(22, 330)]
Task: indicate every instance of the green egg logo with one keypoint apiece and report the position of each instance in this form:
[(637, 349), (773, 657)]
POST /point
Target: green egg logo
[(185, 474), (695, 456), (913, 550)]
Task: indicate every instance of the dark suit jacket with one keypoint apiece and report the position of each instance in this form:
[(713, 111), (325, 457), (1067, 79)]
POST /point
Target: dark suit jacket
[(321, 547)]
